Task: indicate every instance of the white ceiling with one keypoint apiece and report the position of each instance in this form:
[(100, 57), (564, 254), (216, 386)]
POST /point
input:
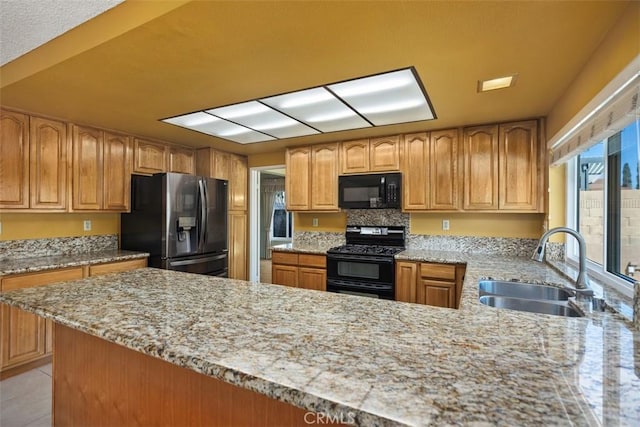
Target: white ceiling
[(27, 24)]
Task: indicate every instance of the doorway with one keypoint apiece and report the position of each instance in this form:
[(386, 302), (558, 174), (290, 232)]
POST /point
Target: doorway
[(270, 223)]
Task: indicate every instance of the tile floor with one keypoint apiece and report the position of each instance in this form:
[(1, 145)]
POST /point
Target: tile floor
[(25, 400), (265, 271)]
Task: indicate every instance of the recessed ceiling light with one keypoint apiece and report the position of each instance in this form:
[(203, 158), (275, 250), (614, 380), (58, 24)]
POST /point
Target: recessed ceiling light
[(382, 99), (497, 83)]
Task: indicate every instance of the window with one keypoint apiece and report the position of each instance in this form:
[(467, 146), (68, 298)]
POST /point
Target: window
[(281, 222), (608, 203)]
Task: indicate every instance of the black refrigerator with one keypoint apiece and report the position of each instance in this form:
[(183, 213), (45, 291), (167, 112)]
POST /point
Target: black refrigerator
[(181, 220)]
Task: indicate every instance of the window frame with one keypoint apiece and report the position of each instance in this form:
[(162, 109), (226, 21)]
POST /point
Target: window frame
[(595, 271)]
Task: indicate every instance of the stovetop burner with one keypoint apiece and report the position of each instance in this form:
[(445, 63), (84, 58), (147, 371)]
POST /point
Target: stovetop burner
[(366, 250)]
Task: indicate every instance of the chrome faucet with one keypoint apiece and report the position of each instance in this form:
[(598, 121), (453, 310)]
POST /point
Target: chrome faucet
[(582, 282)]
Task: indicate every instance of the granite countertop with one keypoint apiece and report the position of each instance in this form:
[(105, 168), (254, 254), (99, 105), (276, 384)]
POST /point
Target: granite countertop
[(31, 265), (376, 362), (320, 249)]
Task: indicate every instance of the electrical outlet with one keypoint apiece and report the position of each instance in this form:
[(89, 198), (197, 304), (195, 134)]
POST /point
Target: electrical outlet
[(87, 225), (314, 222), (445, 224), (0, 227)]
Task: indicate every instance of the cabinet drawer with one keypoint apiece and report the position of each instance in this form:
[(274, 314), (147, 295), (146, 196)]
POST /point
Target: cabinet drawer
[(284, 258), (38, 279), (438, 271), (115, 267), (309, 260)]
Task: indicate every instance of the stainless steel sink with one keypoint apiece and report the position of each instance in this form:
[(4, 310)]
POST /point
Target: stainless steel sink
[(530, 305), (523, 290)]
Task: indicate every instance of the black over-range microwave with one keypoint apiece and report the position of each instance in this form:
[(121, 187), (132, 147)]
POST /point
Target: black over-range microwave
[(376, 191)]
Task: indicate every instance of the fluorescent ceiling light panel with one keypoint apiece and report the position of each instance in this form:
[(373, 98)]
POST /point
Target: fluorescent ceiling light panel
[(319, 109), (497, 83), (383, 99), (386, 99)]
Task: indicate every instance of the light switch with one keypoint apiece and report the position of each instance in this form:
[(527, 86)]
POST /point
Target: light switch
[(314, 222), (445, 224), (87, 225), (0, 227)]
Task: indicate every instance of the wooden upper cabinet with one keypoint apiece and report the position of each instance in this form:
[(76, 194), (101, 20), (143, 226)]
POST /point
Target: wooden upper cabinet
[(297, 178), (212, 163), (238, 181), (181, 160), (48, 164), (117, 172), (481, 167), (519, 166), (324, 177), (443, 168), (149, 157), (415, 184), (87, 168), (14, 160), (384, 154), (354, 156)]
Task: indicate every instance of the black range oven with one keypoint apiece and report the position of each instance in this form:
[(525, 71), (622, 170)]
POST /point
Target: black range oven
[(366, 264)]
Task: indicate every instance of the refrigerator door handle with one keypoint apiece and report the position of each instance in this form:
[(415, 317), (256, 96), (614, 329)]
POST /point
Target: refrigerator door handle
[(197, 260), (203, 215)]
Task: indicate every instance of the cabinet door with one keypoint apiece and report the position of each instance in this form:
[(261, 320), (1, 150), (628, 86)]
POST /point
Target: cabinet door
[(384, 154), (23, 336), (354, 156), (238, 179), (435, 292), (149, 157), (286, 275), (324, 177), (181, 160), (406, 276), (14, 160), (312, 278), (87, 169), (237, 245), (297, 178), (221, 162), (481, 167), (115, 267), (443, 168), (519, 166), (48, 164), (415, 187), (117, 172)]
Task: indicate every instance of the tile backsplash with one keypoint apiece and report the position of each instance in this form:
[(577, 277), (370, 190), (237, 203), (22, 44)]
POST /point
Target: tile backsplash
[(57, 246)]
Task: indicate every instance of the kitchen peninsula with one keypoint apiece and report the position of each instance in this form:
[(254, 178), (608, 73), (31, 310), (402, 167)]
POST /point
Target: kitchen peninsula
[(357, 360)]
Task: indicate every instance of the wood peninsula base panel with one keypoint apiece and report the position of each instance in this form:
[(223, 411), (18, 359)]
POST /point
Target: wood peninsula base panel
[(98, 383)]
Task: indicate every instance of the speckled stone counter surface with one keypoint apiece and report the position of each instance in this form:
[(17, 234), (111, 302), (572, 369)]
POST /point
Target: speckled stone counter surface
[(28, 265), (371, 361), (307, 248)]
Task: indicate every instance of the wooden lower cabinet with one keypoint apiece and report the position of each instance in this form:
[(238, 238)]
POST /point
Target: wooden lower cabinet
[(307, 271), (238, 245), (429, 283), (26, 340)]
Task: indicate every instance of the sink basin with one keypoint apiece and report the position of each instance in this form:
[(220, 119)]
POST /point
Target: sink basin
[(530, 305), (523, 290)]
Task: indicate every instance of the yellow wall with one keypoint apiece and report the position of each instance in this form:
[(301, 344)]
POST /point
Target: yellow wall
[(42, 225), (557, 200), (479, 224), (266, 159), (619, 47), (335, 222)]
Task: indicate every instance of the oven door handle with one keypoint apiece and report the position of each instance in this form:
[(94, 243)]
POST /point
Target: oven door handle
[(369, 259)]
